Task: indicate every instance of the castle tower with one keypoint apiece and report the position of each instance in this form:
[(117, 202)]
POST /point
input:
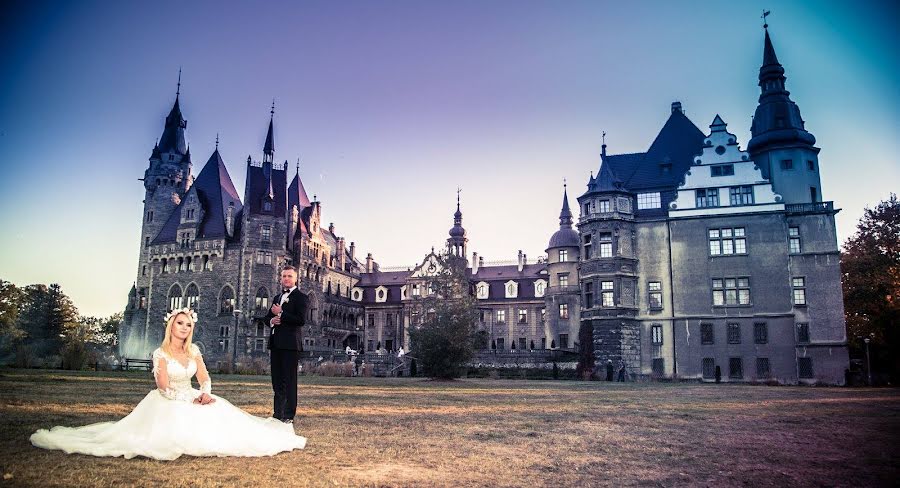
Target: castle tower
[(780, 145), (264, 228), (456, 243), (608, 269), (562, 298)]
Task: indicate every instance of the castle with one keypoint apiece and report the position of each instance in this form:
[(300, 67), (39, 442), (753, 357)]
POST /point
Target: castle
[(693, 259)]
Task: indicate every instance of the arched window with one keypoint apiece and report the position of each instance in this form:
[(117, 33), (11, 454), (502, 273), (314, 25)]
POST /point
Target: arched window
[(192, 296), (165, 266), (175, 298), (262, 299), (226, 301)]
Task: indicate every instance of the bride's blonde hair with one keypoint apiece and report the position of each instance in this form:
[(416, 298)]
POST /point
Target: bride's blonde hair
[(167, 346)]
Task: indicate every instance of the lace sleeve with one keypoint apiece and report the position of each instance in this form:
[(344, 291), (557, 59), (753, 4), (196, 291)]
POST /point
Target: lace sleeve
[(202, 373), (158, 356)]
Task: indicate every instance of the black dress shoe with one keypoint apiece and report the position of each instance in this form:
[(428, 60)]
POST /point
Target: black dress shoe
[(287, 421)]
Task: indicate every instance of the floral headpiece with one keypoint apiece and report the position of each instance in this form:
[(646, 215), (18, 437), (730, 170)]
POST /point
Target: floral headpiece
[(187, 311)]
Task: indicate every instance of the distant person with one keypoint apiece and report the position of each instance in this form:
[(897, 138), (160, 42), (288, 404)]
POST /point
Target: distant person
[(609, 370)]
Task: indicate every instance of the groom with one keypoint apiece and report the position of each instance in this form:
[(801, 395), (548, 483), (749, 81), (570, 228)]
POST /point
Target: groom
[(286, 318)]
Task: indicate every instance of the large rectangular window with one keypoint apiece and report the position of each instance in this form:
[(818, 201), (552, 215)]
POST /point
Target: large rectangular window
[(607, 294), (501, 316), (648, 200), (587, 246), (727, 241), (523, 316), (654, 289), (588, 294), (563, 255), (564, 341), (707, 197), (794, 240), (563, 279), (564, 310), (606, 250), (603, 206), (731, 291), (798, 285), (740, 195)]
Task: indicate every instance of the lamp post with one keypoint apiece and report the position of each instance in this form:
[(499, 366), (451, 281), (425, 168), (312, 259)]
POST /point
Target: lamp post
[(868, 363), (237, 314)]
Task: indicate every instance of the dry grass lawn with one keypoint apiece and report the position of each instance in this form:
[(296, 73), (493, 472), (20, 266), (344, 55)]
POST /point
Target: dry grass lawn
[(413, 432)]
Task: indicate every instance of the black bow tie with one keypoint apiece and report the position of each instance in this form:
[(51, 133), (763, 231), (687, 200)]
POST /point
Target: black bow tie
[(285, 290)]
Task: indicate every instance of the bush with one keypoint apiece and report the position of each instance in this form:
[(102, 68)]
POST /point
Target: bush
[(25, 357)]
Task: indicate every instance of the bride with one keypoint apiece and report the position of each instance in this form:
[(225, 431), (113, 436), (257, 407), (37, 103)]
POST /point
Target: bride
[(175, 418)]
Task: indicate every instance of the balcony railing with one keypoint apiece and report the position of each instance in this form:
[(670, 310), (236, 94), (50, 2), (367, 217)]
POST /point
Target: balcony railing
[(808, 208)]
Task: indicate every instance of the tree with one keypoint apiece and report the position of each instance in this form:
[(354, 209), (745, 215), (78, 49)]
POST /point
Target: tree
[(870, 268), (10, 330), (585, 368), (444, 341)]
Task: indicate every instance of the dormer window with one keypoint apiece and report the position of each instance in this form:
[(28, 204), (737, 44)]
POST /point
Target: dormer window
[(267, 206), (171, 157)]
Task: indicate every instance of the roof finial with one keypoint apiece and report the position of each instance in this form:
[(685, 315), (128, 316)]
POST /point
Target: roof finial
[(272, 112), (564, 184), (763, 16), (217, 141), (604, 137), (603, 147), (178, 90), (458, 190), (298, 166)]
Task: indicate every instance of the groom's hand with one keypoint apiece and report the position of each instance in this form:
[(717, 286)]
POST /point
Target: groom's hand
[(275, 320), (276, 309)]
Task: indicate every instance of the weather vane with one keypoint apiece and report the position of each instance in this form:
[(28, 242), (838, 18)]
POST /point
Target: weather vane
[(763, 16)]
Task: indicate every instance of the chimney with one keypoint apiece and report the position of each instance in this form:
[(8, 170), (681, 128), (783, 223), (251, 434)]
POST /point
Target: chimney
[(229, 220), (521, 260), (369, 262), (352, 250), (480, 262), (475, 263), (331, 228), (342, 256), (676, 107)]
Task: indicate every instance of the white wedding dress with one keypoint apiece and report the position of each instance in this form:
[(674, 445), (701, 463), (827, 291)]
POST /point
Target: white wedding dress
[(165, 425)]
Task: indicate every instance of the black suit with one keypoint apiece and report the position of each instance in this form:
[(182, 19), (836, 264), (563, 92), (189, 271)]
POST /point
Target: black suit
[(286, 342)]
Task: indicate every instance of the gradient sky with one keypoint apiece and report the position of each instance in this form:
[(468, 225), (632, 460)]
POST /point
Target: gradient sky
[(392, 105)]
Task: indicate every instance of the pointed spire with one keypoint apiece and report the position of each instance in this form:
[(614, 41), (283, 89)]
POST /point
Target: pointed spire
[(269, 147), (777, 120), (172, 139), (565, 215), (457, 232)]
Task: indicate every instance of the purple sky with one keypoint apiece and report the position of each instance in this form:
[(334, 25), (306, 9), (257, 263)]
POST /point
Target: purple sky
[(392, 105)]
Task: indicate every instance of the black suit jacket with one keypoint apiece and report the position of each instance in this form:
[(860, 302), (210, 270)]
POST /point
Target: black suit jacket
[(288, 334)]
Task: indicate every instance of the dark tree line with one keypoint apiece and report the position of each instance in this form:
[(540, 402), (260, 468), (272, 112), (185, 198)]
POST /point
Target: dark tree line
[(41, 326)]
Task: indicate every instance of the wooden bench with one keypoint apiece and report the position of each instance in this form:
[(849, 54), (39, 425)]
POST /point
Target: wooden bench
[(142, 364)]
